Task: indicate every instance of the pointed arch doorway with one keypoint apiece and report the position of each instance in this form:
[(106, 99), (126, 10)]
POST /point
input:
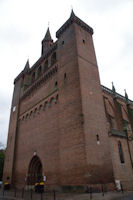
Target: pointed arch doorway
[(34, 171)]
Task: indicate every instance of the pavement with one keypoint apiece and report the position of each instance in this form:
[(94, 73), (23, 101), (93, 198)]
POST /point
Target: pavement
[(68, 196)]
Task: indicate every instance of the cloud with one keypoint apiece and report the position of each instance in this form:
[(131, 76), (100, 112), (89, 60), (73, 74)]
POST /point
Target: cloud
[(10, 35), (4, 116), (101, 6)]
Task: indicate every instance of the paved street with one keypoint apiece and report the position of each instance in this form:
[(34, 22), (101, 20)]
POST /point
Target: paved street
[(129, 197), (10, 195)]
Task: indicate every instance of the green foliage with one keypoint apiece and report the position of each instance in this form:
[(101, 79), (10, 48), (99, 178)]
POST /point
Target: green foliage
[(2, 158)]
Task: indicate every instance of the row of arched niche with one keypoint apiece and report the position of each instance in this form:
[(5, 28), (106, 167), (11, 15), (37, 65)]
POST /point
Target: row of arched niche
[(43, 68), (41, 107)]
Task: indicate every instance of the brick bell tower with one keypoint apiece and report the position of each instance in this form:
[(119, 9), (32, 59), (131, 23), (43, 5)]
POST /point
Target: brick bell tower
[(84, 145), (72, 139)]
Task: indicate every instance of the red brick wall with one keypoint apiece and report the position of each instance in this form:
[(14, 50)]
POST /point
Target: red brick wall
[(56, 134), (122, 171), (38, 133), (97, 156), (12, 132), (72, 151)]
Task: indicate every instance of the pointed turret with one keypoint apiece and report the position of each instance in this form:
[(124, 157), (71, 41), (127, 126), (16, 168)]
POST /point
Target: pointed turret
[(27, 66), (72, 14), (46, 42), (73, 19), (114, 91), (126, 95), (47, 36), (113, 88)]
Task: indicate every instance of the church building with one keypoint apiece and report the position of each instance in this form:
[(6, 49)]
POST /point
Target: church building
[(66, 129)]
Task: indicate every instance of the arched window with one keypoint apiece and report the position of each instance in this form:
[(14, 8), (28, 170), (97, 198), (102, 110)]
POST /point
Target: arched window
[(39, 71), (35, 111), (40, 107), (45, 65), (44, 106), (56, 84), (33, 77), (65, 77), (31, 113), (121, 152), (50, 102), (27, 116), (56, 99), (53, 58)]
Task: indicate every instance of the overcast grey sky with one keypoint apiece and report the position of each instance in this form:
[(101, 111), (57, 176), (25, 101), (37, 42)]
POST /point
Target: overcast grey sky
[(23, 24)]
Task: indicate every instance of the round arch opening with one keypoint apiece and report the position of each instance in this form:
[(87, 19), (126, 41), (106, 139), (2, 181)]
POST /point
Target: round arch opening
[(34, 171)]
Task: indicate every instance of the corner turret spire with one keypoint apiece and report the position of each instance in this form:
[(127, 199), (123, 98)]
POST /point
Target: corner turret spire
[(46, 42), (47, 36), (27, 66), (113, 88), (126, 95), (73, 19), (72, 14)]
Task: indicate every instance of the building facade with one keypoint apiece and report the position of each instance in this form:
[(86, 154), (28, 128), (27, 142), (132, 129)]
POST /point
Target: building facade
[(64, 126)]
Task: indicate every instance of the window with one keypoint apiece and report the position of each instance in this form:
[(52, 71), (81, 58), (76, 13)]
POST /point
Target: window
[(27, 116), (84, 41), (31, 113), (33, 77), (121, 152), (40, 107), (44, 106), (53, 58), (35, 111), (39, 71), (45, 65), (98, 140), (56, 84), (125, 125), (65, 76)]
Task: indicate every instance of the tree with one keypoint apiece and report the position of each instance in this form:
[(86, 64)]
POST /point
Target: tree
[(2, 158)]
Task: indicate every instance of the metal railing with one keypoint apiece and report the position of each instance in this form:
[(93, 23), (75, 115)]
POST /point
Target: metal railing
[(90, 193)]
